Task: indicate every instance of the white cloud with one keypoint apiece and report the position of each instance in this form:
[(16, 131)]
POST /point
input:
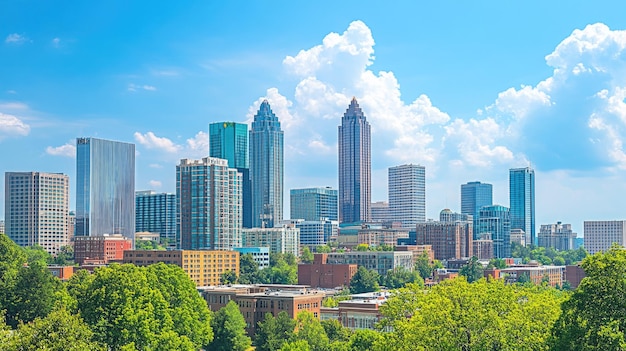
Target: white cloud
[(156, 165), (149, 88), (15, 38), (151, 141), (135, 87), (155, 184), (473, 140), (13, 105), (198, 146), (280, 106), (56, 42), (67, 150), (11, 126)]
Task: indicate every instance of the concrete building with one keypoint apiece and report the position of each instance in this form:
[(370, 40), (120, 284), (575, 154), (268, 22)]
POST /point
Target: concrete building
[(407, 194), (522, 201), (2, 224), (362, 311), (320, 274), (208, 203), (156, 213), (518, 236), (483, 247), (100, 249), (557, 236), (314, 204), (355, 167), (204, 267), (105, 187), (36, 209), (600, 235), (381, 236), (495, 220), (380, 261), (315, 233), (418, 251), (446, 215), (474, 196), (285, 239), (448, 239), (381, 212), (260, 255)]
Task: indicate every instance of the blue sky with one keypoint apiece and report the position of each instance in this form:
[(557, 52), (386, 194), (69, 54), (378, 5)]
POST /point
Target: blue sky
[(467, 89)]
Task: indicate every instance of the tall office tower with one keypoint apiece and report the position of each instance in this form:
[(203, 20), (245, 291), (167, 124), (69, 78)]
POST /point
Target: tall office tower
[(105, 187), (208, 205), (600, 235), (495, 220), (36, 209), (522, 201), (558, 236), (266, 168), (313, 204), (156, 213), (355, 168), (475, 195), (407, 194), (448, 239), (229, 141)]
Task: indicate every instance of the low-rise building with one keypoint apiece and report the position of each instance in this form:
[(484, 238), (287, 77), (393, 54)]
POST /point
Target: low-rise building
[(320, 274), (381, 236), (100, 249), (574, 274), (380, 261), (260, 255), (284, 239), (553, 275), (362, 311), (418, 251)]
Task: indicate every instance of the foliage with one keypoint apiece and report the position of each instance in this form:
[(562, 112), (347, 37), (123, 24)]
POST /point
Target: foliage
[(229, 329), (364, 280), (299, 345), (424, 267), (473, 270), (148, 245), (65, 256), (12, 257), (228, 277), (283, 269), (548, 255), (330, 302), (335, 331), (457, 315), (306, 256), (323, 249), (399, 277), (274, 332), (310, 330), (593, 318), (248, 270), (498, 263), (37, 253), (362, 247), (364, 339)]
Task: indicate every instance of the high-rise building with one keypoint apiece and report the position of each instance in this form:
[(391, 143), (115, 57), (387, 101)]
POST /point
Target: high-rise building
[(156, 213), (407, 194), (208, 205), (229, 141), (380, 212), (355, 168), (600, 235), (496, 221), (449, 240), (522, 201), (475, 195), (37, 209), (558, 236), (105, 187), (313, 204), (266, 168)]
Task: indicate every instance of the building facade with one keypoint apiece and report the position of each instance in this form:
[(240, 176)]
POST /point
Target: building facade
[(156, 213), (407, 194), (446, 215), (105, 187), (266, 168), (449, 240), (522, 201), (474, 196), (316, 233), (100, 249), (558, 236), (600, 235), (382, 236), (355, 168), (380, 212), (208, 205), (320, 274), (229, 141), (380, 261), (313, 204), (36, 209), (285, 239), (496, 221), (260, 255)]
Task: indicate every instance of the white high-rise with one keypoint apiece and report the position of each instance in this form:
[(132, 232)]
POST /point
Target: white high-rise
[(600, 235), (37, 209), (407, 194)]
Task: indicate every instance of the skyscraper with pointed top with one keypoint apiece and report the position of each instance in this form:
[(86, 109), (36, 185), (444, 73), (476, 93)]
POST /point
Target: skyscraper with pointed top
[(266, 168), (355, 167)]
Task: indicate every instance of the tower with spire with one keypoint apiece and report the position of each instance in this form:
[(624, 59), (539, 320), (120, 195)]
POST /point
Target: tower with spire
[(266, 168), (355, 168)]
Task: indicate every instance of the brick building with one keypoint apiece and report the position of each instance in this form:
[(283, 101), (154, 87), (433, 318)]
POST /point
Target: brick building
[(101, 249), (320, 274), (448, 239)]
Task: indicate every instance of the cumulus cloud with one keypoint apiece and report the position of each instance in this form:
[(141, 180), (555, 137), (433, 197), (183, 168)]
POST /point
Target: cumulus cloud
[(151, 141), (15, 38), (198, 146), (67, 150), (12, 126)]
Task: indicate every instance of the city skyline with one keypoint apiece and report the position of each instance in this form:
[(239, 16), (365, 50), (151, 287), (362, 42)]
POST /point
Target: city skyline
[(449, 91)]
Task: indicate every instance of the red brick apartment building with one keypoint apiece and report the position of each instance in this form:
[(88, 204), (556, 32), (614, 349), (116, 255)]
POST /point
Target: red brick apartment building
[(320, 274), (101, 249)]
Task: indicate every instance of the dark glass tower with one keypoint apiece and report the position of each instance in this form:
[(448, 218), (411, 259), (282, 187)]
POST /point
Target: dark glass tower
[(354, 166), (474, 196), (522, 198), (229, 141), (266, 168)]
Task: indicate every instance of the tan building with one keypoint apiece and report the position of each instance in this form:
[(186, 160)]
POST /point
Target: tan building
[(536, 274), (483, 247), (377, 237), (256, 300), (204, 267), (448, 239), (101, 249), (558, 236), (418, 250), (362, 311), (380, 261), (320, 274)]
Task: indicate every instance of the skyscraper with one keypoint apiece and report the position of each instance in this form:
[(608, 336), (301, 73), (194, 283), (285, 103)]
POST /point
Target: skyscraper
[(105, 187), (266, 168), (229, 141), (156, 213), (495, 220), (355, 169), (475, 195), (37, 209), (208, 205), (407, 194), (522, 201), (313, 204)]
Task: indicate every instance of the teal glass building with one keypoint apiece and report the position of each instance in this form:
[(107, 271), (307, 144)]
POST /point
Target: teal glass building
[(313, 204), (496, 221), (266, 168), (105, 187), (522, 201), (474, 196), (156, 213), (229, 141)]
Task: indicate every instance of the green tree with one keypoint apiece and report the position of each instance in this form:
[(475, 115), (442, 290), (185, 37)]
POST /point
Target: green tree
[(37, 253), (593, 318), (473, 270), (362, 247), (335, 331), (558, 261), (364, 339), (309, 329), (364, 280), (399, 277), (298, 345), (65, 256), (148, 245), (323, 249), (248, 269), (498, 263), (228, 277), (229, 329), (12, 257), (283, 268), (273, 332), (306, 256), (423, 266)]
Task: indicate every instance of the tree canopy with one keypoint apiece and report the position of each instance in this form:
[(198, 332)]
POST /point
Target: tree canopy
[(229, 329), (364, 280)]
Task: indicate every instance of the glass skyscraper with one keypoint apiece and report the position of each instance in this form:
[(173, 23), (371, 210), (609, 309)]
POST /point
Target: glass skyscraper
[(208, 205), (496, 220), (105, 187), (156, 213), (407, 194), (475, 195), (229, 141), (313, 204), (266, 168), (355, 169), (522, 201)]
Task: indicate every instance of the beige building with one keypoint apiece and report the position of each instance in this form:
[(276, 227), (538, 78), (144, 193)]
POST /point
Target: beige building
[(448, 239), (204, 267), (377, 237), (600, 235), (284, 239), (380, 261), (536, 274), (558, 236), (362, 311)]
